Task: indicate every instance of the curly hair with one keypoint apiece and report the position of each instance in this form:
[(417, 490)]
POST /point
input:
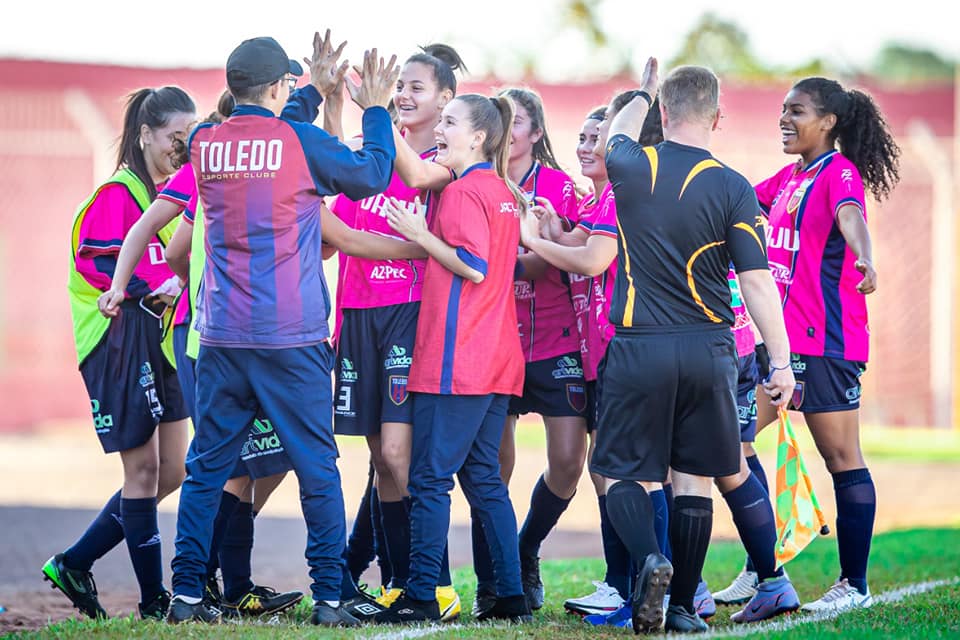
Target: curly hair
[(861, 131)]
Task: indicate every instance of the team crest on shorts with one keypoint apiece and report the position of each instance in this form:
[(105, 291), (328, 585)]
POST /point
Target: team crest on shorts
[(577, 397), (797, 401), (398, 389)]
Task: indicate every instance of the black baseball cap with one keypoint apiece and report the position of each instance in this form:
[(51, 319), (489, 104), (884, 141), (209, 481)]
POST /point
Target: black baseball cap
[(259, 61)]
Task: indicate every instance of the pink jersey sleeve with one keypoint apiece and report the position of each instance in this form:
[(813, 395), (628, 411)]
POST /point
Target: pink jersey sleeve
[(844, 186), (768, 190), (181, 190)]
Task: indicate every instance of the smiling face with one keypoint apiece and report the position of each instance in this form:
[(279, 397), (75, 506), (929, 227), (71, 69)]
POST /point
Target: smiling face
[(160, 150), (418, 98), (803, 132), (590, 165), (458, 144), (523, 136)]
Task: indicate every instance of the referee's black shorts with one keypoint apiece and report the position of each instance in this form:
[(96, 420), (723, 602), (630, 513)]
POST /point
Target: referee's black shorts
[(669, 401)]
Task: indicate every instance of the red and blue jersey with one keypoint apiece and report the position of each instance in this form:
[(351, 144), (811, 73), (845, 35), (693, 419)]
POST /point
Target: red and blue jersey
[(467, 342), (810, 260), (545, 316), (261, 180)]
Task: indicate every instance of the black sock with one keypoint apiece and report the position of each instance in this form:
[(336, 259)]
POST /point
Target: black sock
[(668, 494), (395, 519), (856, 509), (361, 548), (690, 526), (103, 534), (661, 521), (631, 513), (482, 562), (545, 510), (753, 462), (228, 502), (235, 553), (143, 542), (614, 553), (753, 515), (384, 562)]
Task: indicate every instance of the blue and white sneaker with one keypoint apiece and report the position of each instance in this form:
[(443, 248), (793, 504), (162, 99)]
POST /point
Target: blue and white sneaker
[(703, 601), (774, 596), (840, 597), (619, 618)]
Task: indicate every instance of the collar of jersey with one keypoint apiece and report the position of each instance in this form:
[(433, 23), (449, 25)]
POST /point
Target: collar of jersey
[(251, 110), (479, 165), (823, 156)]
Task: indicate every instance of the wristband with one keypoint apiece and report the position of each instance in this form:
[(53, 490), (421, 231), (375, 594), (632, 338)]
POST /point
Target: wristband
[(783, 368), (646, 96)]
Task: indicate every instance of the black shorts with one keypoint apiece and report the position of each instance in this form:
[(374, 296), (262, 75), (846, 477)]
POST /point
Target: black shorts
[(825, 385), (374, 355), (669, 400), (553, 387), (593, 406), (132, 386), (748, 377)]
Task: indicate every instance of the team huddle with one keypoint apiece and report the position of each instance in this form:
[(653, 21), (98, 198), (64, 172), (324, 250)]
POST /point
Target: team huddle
[(654, 322)]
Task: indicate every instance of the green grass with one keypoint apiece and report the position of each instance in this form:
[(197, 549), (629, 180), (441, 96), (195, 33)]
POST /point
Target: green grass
[(898, 558)]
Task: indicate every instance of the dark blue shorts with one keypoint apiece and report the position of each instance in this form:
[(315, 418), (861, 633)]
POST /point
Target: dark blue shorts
[(553, 387), (747, 380), (263, 454), (131, 385), (825, 385), (593, 406), (374, 355)]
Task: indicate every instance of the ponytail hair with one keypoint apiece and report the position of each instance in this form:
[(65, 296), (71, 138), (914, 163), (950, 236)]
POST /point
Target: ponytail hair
[(531, 102), (443, 60), (494, 116), (151, 107), (861, 132), (225, 106)]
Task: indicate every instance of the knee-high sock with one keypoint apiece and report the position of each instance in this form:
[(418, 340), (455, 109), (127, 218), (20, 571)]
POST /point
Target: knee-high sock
[(690, 527), (143, 542), (103, 534), (856, 510), (753, 516), (228, 503), (615, 553), (545, 510), (235, 551)]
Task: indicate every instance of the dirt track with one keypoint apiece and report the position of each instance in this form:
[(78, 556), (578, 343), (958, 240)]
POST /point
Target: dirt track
[(43, 508)]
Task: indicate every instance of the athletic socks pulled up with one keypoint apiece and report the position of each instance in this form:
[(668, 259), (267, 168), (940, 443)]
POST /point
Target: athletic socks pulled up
[(615, 553), (753, 516), (395, 524), (856, 510), (631, 512), (140, 529), (228, 503), (661, 521), (690, 525), (235, 553), (545, 510), (103, 534)]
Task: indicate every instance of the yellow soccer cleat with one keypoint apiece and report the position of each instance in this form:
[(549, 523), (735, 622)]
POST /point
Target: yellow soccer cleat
[(388, 596), (449, 603)]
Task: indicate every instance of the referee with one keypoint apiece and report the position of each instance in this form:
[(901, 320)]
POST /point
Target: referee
[(668, 383)]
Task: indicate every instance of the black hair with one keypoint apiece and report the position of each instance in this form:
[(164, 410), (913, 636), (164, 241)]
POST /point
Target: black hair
[(598, 113), (861, 131), (151, 107), (443, 60), (225, 107), (530, 101), (651, 132)]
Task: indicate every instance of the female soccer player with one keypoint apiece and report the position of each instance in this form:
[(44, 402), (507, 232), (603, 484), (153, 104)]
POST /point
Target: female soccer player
[(553, 380), (381, 301), (467, 358), (821, 257), (136, 400)]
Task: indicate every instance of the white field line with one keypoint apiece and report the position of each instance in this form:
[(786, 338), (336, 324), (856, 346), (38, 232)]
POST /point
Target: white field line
[(779, 624), (784, 623)]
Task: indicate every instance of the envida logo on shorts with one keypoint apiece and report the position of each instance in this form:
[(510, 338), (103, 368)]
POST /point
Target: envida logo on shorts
[(100, 422), (347, 372), (397, 359), (398, 390), (567, 367)]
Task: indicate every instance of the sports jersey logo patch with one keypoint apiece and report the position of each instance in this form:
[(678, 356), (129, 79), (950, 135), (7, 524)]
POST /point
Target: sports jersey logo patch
[(577, 397), (797, 400), (797, 196), (398, 390)]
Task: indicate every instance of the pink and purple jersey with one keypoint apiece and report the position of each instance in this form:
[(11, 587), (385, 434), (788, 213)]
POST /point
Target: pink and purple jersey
[(591, 296), (467, 342), (181, 190), (545, 316), (106, 223), (742, 324), (809, 258), (378, 283), (261, 180)]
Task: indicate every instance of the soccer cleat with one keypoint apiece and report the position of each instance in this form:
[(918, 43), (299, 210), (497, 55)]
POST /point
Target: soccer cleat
[(212, 595), (156, 609), (647, 600), (774, 596), (448, 601), (840, 597), (326, 616), (388, 595), (530, 578), (682, 621), (78, 586), (619, 618), (363, 607), (604, 600), (483, 600), (743, 587), (182, 611), (260, 601), (406, 610), (703, 602), (513, 609)]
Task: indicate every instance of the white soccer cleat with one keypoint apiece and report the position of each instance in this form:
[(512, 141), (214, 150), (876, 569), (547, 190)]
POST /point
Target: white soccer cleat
[(840, 597), (743, 587), (605, 599)]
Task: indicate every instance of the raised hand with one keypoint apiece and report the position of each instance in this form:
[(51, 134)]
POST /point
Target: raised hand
[(325, 72), (650, 80), (377, 81)]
